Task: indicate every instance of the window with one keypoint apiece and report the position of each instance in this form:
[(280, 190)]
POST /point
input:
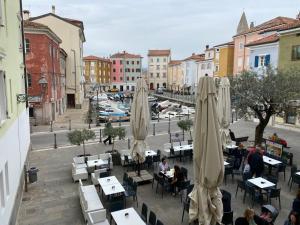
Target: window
[(151, 75), (241, 45), (296, 52), (164, 75), (157, 60), (217, 68), (27, 45), (165, 59), (114, 62), (208, 65), (138, 70), (121, 62), (121, 70), (132, 78), (127, 78), (114, 78), (203, 66), (157, 75), (3, 98), (138, 62), (132, 62), (157, 67), (132, 70), (29, 81), (132, 88), (114, 70), (262, 60), (151, 60), (165, 67), (127, 62), (2, 199), (121, 78)]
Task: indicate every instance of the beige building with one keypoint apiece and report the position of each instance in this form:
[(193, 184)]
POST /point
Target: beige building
[(158, 61), (71, 32), (175, 76)]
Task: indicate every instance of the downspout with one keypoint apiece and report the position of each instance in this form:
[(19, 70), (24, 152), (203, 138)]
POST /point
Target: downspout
[(23, 48), (244, 54), (74, 54)]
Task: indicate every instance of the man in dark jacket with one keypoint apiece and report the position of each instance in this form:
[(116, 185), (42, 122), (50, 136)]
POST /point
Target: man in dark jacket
[(256, 163), (108, 125)]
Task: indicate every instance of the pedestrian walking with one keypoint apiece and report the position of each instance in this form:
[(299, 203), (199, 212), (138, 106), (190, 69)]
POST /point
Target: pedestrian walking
[(108, 125)]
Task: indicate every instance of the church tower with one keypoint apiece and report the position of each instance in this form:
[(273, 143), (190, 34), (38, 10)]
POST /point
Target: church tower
[(243, 24)]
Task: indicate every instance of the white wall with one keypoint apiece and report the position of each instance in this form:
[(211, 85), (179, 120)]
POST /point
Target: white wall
[(14, 145)]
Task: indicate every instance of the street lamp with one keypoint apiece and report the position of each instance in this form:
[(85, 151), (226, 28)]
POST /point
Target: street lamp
[(43, 84)]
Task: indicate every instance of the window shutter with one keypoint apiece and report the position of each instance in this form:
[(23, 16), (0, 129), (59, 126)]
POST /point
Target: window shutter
[(267, 60), (293, 53), (256, 61)]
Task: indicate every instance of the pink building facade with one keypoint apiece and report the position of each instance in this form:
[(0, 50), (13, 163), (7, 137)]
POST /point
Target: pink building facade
[(246, 35)]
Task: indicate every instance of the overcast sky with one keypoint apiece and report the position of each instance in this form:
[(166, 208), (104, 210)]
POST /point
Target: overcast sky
[(184, 26)]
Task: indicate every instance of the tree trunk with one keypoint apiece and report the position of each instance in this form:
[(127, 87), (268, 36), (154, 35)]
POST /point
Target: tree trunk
[(83, 148), (259, 130)]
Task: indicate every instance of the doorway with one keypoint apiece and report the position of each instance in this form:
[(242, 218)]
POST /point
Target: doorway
[(71, 100)]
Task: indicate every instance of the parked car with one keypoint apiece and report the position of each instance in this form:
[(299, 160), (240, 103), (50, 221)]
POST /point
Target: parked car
[(159, 91), (113, 90)]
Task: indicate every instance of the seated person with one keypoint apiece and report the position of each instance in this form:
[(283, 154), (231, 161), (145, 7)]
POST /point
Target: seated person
[(178, 177), (296, 203), (247, 219), (293, 219), (163, 165)]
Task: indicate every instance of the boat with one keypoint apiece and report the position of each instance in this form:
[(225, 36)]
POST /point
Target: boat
[(101, 97), (152, 99), (114, 114)]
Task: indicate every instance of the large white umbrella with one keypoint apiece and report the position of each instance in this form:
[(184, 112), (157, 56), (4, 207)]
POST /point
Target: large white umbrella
[(139, 120), (224, 109), (206, 198)]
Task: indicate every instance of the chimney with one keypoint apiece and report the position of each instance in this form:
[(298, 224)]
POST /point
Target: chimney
[(193, 53), (53, 9), (251, 25), (26, 14), (207, 47)]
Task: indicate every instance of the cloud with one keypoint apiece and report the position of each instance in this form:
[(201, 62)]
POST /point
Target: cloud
[(139, 25)]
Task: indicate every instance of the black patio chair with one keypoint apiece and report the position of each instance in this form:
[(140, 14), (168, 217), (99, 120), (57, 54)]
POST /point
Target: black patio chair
[(132, 192), (185, 172), (156, 159), (227, 218), (293, 171), (239, 139), (241, 184), (228, 171), (249, 189), (186, 201), (155, 178), (163, 183), (158, 222), (295, 179), (148, 161), (152, 218), (128, 163), (274, 193), (144, 214), (125, 180)]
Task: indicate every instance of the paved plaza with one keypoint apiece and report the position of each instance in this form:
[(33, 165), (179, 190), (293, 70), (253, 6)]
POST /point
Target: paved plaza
[(54, 198)]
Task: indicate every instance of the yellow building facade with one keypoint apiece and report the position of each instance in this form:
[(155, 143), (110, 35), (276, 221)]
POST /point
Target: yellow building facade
[(175, 75), (224, 59), (97, 71)]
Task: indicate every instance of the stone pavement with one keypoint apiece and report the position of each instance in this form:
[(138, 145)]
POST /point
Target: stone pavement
[(54, 198)]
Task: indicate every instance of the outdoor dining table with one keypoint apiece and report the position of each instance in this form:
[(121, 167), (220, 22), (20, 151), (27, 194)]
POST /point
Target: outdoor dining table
[(261, 183), (94, 163), (127, 217), (270, 162), (168, 174), (226, 163), (108, 181), (182, 148), (150, 153), (112, 189), (297, 173)]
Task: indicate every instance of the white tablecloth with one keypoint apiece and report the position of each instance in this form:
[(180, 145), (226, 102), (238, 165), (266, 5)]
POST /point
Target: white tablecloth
[(183, 148), (93, 163), (132, 218), (261, 182), (271, 161), (112, 189), (108, 181)]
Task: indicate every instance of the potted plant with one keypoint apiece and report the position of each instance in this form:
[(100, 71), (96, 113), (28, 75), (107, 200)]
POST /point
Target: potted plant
[(185, 126), (78, 137), (115, 132)]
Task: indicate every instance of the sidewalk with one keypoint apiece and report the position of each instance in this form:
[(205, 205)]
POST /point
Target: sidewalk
[(77, 117)]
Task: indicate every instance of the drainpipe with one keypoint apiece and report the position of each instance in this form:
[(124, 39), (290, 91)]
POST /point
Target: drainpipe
[(24, 58), (74, 55), (244, 52)]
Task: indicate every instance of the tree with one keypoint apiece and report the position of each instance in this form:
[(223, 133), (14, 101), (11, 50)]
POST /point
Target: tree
[(114, 132), (78, 137), (185, 125), (265, 95)]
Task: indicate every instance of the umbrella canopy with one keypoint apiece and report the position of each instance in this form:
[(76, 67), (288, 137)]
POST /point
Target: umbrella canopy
[(139, 120), (224, 109), (206, 198)]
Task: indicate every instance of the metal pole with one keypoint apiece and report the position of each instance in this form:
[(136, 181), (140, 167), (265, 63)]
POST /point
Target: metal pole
[(158, 117), (183, 134), (188, 114), (119, 121), (232, 117), (100, 136), (51, 126), (153, 129), (169, 128), (25, 178), (89, 123), (128, 143), (55, 143), (69, 124), (170, 137)]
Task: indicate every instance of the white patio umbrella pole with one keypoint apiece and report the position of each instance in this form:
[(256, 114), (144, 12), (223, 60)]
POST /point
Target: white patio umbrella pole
[(139, 121), (206, 198)]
